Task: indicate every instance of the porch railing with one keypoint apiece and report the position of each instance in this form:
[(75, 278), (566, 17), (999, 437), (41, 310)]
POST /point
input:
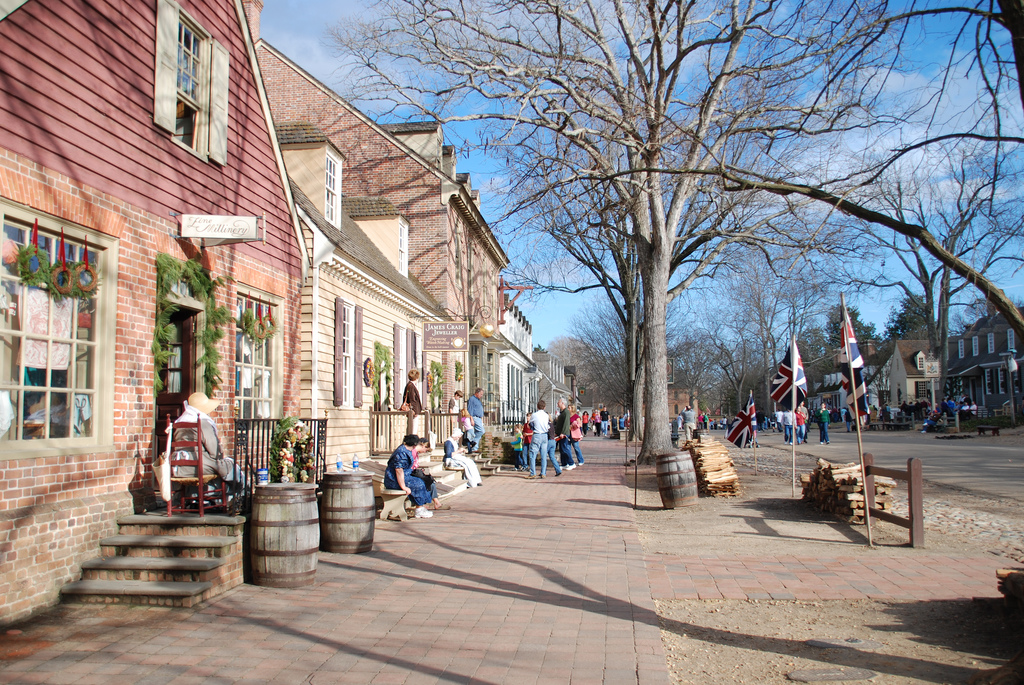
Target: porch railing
[(387, 428), (252, 452)]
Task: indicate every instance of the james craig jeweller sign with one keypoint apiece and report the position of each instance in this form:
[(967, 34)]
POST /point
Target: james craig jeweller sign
[(445, 336), (220, 230)]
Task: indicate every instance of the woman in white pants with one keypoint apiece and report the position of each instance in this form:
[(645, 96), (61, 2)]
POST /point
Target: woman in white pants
[(454, 458)]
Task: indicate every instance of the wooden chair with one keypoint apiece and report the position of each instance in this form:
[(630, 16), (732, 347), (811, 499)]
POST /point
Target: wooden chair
[(186, 457)]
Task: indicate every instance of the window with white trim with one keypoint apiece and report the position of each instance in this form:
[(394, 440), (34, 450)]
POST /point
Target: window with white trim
[(348, 347), (190, 85), (1010, 342), (960, 348), (332, 189), (1002, 380), (991, 343), (403, 246), (256, 368), (920, 361), (989, 382), (974, 346), (56, 353)]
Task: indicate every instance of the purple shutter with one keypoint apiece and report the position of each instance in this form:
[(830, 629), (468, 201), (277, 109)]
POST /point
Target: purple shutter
[(398, 368), (339, 351), (357, 362)]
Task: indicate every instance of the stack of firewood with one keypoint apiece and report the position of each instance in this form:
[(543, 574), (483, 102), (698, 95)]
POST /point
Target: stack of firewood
[(839, 489), (716, 474), (1011, 584)]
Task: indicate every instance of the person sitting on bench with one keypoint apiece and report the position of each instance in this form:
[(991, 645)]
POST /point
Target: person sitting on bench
[(398, 476), (454, 459)]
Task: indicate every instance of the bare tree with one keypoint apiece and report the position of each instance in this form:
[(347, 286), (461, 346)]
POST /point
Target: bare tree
[(630, 93)]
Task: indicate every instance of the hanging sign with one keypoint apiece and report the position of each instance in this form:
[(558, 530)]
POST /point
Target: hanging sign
[(445, 336), (220, 230)]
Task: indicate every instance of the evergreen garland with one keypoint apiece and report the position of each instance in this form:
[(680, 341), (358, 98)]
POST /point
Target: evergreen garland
[(168, 272), (382, 361)]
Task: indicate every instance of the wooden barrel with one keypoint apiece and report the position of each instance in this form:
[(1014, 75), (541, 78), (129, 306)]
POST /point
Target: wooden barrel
[(285, 535), (677, 481), (347, 512)]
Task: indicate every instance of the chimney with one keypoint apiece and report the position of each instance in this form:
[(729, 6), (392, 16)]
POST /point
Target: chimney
[(253, 9)]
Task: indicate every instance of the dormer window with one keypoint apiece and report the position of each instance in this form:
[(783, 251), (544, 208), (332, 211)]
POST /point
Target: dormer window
[(991, 343), (960, 348), (974, 346), (332, 189), (1010, 342), (920, 361), (403, 246)]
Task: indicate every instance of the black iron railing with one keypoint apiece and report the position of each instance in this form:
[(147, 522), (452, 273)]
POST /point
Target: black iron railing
[(252, 452), (512, 415)]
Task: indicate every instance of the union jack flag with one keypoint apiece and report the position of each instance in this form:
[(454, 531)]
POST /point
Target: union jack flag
[(782, 384), (744, 429), (853, 365)]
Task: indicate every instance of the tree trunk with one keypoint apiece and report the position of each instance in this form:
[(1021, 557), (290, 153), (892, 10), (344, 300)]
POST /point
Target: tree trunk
[(654, 275)]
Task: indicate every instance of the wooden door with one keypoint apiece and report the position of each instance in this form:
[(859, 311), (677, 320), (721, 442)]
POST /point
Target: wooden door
[(179, 375)]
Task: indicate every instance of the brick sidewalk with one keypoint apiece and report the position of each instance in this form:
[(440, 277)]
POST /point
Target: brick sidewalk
[(923, 577), (523, 581)]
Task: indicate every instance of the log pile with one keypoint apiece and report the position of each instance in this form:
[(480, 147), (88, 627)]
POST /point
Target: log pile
[(716, 473), (838, 489), (1011, 584)]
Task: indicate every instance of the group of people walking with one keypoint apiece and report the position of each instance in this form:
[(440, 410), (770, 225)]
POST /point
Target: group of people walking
[(544, 435)]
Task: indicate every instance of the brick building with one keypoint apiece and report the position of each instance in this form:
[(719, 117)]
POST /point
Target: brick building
[(452, 252), (152, 110)]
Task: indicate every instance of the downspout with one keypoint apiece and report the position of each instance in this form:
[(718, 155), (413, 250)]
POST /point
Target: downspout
[(314, 338)]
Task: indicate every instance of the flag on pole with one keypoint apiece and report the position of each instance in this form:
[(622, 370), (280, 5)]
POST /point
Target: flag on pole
[(856, 391), (782, 384), (744, 429)]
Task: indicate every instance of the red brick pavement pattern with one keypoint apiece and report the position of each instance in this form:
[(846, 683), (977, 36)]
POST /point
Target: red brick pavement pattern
[(523, 581), (924, 577)]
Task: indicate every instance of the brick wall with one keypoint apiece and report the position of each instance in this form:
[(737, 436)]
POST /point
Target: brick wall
[(55, 509)]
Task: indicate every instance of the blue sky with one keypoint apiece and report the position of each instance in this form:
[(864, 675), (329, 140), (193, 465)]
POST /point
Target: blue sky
[(297, 28)]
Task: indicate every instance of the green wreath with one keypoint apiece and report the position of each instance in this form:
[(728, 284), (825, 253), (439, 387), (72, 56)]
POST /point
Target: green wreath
[(257, 329), (41, 277)]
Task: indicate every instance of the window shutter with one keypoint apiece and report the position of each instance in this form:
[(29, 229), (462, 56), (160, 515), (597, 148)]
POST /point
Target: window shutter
[(410, 354), (398, 368), (423, 371), (339, 351), (219, 80), (357, 362), (165, 76)]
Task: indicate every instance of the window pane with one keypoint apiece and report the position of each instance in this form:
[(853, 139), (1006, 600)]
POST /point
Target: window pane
[(60, 415), (86, 330), (10, 352), (8, 415), (35, 415), (81, 416)]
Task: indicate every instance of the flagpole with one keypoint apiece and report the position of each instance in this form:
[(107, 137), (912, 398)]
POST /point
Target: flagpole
[(792, 431), (856, 415), (754, 428)]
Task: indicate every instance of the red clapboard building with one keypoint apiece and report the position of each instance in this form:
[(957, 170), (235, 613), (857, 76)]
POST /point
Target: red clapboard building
[(116, 119)]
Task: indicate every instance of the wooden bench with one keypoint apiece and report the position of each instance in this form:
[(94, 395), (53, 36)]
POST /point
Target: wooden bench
[(395, 501), (984, 429)]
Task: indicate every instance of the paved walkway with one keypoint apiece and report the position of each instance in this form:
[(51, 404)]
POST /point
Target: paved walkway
[(925, 577), (523, 581)]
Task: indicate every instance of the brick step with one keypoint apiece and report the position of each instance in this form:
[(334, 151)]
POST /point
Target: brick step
[(161, 524), (176, 594), (163, 569), (167, 545)]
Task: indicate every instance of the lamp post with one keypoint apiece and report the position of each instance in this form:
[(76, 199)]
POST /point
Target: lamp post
[(1011, 368)]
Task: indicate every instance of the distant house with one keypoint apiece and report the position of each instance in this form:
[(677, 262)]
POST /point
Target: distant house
[(977, 358), (914, 374)]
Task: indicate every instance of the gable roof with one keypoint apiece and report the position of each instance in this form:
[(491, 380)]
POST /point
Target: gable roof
[(354, 244), (908, 349), (357, 207), (295, 132), (412, 127)]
